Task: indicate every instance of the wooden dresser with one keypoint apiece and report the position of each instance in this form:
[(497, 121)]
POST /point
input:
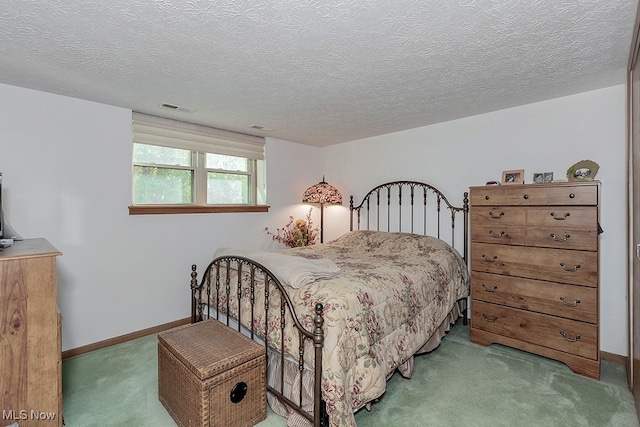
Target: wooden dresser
[(30, 337), (534, 278)]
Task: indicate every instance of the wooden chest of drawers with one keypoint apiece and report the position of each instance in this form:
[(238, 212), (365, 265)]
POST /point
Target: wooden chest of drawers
[(534, 270), (30, 336)]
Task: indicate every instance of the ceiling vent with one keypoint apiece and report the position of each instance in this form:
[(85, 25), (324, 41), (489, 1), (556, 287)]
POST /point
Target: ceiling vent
[(260, 128), (178, 108)]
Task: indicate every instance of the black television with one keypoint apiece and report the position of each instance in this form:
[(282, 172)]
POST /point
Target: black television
[(6, 231), (1, 211)]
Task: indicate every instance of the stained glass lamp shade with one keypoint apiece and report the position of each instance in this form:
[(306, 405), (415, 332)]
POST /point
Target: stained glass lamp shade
[(322, 193)]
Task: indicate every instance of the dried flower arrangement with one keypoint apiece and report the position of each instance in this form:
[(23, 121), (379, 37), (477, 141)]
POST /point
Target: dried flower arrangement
[(298, 232)]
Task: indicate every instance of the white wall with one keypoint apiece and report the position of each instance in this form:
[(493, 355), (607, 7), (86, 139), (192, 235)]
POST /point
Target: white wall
[(67, 177), (543, 137)]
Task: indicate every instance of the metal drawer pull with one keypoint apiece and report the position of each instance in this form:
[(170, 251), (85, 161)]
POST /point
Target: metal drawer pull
[(487, 197), (572, 196), (491, 214), (564, 239), (566, 338), (570, 304), (562, 218), (572, 269), (496, 236), (490, 320), (493, 288), (487, 259), (526, 196)]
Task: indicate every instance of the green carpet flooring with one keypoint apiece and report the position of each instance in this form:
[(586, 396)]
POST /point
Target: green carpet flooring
[(458, 384)]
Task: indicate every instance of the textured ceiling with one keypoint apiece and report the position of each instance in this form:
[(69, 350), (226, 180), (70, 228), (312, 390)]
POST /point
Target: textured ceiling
[(312, 71)]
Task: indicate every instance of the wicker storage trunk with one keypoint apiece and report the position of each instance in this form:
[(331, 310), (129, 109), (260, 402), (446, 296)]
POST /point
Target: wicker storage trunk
[(211, 375)]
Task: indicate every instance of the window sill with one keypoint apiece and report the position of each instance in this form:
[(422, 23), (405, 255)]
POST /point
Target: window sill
[(193, 209)]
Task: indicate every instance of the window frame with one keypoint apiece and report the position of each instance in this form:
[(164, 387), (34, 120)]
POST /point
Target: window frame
[(256, 169), (202, 190), (194, 209)]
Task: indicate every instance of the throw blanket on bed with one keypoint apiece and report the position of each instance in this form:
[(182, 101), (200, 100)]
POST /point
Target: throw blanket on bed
[(294, 271)]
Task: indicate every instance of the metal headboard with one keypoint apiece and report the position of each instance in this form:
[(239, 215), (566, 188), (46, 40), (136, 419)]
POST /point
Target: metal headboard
[(382, 208)]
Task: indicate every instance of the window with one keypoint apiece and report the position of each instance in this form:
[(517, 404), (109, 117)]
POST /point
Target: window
[(180, 167), (162, 175)]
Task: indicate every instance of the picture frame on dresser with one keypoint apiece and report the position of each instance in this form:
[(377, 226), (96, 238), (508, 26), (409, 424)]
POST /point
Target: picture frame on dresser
[(584, 170), (542, 177), (515, 176)]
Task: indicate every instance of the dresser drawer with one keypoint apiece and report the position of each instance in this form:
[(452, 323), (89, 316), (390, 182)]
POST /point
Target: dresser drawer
[(569, 227), (536, 195), (523, 195), (563, 216), (564, 238), (558, 299), (553, 265), (498, 233), (560, 334), (487, 196), (574, 195), (503, 215)]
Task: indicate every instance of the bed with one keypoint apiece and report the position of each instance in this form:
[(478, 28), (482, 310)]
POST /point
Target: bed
[(337, 319)]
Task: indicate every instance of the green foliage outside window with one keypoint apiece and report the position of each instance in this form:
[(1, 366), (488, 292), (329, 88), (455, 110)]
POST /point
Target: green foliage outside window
[(165, 175), (162, 186), (224, 188), (229, 163), (153, 154), (155, 181)]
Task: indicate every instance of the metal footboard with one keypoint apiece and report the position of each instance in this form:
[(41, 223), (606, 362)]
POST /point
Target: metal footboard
[(246, 296)]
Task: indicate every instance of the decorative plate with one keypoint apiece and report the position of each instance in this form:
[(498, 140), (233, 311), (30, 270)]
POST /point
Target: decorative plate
[(584, 170)]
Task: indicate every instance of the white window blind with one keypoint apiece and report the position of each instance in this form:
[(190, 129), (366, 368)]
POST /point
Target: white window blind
[(154, 130)]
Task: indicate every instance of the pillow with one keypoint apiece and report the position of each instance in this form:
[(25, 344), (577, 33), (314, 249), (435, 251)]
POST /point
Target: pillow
[(371, 240)]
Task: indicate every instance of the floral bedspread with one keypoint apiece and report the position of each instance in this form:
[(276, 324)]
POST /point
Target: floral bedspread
[(393, 291)]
